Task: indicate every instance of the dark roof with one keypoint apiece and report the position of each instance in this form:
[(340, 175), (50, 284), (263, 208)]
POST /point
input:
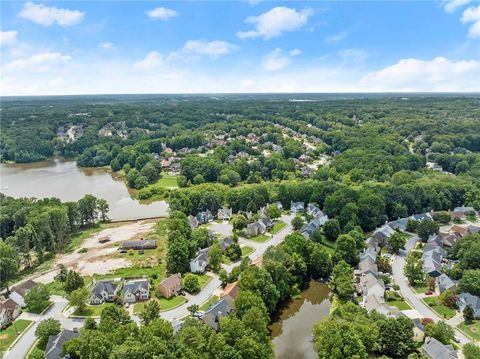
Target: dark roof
[(107, 286), (470, 299), (436, 350), (215, 312), (24, 287), (134, 285), (53, 349), (146, 244)]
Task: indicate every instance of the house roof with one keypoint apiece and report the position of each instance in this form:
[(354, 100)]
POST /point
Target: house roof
[(226, 242), (470, 300), (231, 290), (472, 229), (444, 283), (171, 282), (369, 252), (104, 285), (215, 312), (53, 349), (436, 350), (202, 256), (370, 282), (464, 209), (148, 243), (134, 285), (8, 304), (24, 287), (368, 265)]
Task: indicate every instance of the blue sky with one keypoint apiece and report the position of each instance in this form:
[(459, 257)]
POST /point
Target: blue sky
[(51, 47)]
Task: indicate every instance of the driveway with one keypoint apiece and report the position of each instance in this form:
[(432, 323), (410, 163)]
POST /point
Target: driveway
[(409, 294), (22, 347)]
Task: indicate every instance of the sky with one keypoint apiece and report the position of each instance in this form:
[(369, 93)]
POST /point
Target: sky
[(250, 46)]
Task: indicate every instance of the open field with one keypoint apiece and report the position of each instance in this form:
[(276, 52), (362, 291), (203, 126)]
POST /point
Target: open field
[(8, 335)]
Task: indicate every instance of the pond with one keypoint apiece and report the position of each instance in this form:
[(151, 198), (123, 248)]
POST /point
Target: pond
[(64, 180), (291, 330)]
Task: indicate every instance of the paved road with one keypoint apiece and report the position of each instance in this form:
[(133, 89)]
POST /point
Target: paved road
[(22, 347), (409, 294)]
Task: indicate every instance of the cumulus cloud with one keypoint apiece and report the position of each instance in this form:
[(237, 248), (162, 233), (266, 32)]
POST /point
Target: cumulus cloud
[(151, 61), (439, 74), (472, 14), (8, 37), (212, 49), (277, 60), (37, 63), (162, 13), (452, 5), (275, 22), (105, 45), (47, 16)]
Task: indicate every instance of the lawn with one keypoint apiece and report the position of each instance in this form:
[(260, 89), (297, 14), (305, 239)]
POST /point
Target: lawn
[(91, 310), (247, 250), (260, 238), (420, 288), (167, 181), (78, 238), (277, 227), (440, 309), (165, 304), (473, 330), (213, 299), (8, 335), (400, 304), (203, 280)]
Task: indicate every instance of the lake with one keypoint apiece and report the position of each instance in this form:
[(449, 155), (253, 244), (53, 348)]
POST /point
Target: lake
[(64, 180), (291, 330)]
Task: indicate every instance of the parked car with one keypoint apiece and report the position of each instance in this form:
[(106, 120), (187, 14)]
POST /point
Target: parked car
[(428, 292)]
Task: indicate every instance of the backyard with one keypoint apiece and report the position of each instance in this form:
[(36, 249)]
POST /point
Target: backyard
[(473, 330), (8, 335)]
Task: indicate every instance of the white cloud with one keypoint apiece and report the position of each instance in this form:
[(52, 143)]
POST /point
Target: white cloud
[(105, 45), (333, 39), (46, 15), (37, 63), (294, 52), (277, 60), (439, 74), (212, 49), (162, 13), (8, 37), (151, 61), (452, 5), (353, 55), (472, 14), (275, 22)]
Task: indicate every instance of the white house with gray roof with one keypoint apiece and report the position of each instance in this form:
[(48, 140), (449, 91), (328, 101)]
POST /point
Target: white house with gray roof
[(104, 291), (200, 262), (136, 290), (471, 300)]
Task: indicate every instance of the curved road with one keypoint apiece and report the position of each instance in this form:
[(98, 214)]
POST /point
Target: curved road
[(408, 293), (21, 348)]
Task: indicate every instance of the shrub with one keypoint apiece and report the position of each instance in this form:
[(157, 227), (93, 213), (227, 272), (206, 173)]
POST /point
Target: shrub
[(191, 283)]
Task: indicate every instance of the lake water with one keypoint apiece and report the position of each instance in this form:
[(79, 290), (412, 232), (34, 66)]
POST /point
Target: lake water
[(64, 180), (291, 331)]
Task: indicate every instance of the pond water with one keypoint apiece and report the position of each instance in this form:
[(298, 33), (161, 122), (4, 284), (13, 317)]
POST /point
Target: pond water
[(64, 180), (291, 331)]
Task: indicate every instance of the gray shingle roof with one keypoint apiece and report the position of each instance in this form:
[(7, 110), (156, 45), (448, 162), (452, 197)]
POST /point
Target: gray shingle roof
[(436, 350)]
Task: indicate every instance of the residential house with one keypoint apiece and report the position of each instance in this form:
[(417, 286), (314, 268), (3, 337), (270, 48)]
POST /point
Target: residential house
[(170, 286), (372, 242), (224, 214), (136, 290), (368, 252), (9, 311), (382, 234), (226, 242), (230, 292), (165, 163), (367, 266), (472, 229), (267, 222), (204, 217), (471, 300), (54, 347), (104, 291), (450, 240), (373, 302), (318, 221), (256, 228), (457, 216), (459, 231), (312, 209), (17, 293), (421, 217), (212, 316), (434, 349), (200, 262), (372, 285), (400, 224), (296, 207), (465, 210), (444, 283), (192, 221), (432, 263), (139, 244)]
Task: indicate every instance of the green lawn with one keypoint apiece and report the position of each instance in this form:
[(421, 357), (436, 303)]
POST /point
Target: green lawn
[(473, 330), (440, 309), (167, 181), (400, 304), (226, 260), (277, 227), (213, 299), (203, 280), (260, 238), (91, 310), (247, 250), (8, 335), (420, 288), (165, 304)]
